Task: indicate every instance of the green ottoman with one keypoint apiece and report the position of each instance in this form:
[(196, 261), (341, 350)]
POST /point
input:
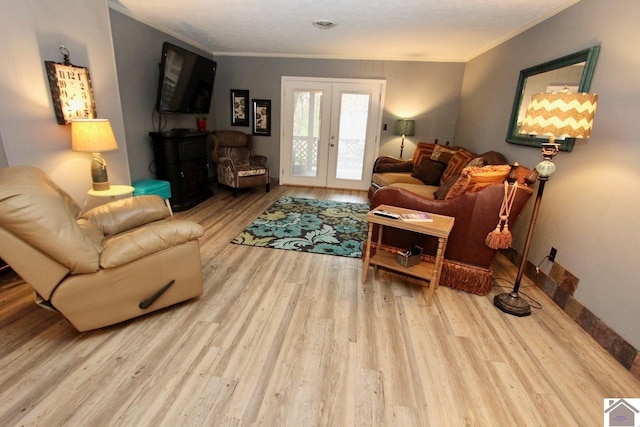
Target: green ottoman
[(144, 187)]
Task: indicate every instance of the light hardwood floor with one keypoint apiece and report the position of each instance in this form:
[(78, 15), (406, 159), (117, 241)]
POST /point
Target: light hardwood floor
[(294, 339)]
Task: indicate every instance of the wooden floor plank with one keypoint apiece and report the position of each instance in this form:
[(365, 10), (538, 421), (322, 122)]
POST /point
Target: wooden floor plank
[(295, 339)]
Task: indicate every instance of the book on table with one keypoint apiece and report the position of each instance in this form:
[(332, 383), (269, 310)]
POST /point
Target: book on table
[(416, 217)]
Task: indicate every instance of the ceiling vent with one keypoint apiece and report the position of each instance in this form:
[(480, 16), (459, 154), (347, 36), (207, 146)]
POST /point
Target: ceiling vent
[(324, 25)]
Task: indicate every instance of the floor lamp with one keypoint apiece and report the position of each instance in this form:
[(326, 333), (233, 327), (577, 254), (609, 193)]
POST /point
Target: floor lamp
[(404, 127), (555, 115)]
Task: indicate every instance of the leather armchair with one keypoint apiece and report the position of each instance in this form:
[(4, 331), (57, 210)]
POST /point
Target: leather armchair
[(112, 263), (467, 264), (238, 166)]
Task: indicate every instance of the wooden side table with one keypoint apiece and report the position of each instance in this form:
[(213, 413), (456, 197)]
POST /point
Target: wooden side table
[(440, 228)]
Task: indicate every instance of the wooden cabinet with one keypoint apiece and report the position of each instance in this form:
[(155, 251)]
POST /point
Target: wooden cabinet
[(182, 158)]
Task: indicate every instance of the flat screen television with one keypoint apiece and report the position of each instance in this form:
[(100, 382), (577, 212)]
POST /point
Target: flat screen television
[(186, 81)]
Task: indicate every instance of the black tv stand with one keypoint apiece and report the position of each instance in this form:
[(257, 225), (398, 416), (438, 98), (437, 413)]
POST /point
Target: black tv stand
[(182, 158)]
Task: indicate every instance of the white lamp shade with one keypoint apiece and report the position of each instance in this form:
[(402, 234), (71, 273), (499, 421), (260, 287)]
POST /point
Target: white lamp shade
[(92, 135)]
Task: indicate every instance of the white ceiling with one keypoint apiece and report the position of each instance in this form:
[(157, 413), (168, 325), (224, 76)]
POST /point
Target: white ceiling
[(414, 30)]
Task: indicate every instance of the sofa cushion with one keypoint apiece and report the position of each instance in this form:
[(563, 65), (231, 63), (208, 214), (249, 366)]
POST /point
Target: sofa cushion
[(429, 171), (422, 190), (248, 170), (388, 178), (473, 179), (458, 161)]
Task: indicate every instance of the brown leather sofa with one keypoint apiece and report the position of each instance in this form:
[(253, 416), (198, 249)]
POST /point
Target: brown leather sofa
[(417, 174), (467, 264), (117, 261)]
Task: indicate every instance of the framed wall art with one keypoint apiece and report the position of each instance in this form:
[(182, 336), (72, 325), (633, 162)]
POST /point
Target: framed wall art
[(71, 91), (239, 107), (262, 117)]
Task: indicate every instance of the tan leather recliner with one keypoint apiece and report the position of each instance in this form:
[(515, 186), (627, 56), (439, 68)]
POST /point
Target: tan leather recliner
[(117, 261)]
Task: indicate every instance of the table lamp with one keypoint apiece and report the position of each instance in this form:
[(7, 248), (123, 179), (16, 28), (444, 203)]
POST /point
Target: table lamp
[(404, 127), (555, 115), (94, 136)]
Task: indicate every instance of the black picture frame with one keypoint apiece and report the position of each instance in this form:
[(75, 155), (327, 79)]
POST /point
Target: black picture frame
[(239, 107), (261, 117)]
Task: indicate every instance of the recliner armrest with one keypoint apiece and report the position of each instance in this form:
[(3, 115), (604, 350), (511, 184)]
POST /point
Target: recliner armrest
[(126, 214), (149, 239)]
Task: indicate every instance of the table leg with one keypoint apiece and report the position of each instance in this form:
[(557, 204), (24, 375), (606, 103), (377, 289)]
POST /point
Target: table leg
[(437, 270), (380, 230), (367, 254)]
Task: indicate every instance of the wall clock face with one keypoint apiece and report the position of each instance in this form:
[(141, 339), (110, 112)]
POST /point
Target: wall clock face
[(71, 92)]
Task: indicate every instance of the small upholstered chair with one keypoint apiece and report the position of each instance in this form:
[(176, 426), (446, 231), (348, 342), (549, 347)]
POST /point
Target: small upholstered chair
[(112, 263), (238, 166)]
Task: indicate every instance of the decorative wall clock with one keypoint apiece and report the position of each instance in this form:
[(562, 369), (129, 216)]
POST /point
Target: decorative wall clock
[(70, 90)]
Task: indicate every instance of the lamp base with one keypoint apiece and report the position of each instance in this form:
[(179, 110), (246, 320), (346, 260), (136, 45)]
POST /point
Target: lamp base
[(512, 303), (99, 175), (101, 186)]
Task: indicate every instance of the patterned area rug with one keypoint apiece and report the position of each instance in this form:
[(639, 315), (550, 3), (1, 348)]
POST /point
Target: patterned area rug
[(309, 225)]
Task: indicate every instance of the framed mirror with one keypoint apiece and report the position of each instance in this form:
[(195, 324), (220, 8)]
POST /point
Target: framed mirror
[(571, 72)]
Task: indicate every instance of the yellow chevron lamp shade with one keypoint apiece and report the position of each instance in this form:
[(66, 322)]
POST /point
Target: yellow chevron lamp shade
[(560, 115)]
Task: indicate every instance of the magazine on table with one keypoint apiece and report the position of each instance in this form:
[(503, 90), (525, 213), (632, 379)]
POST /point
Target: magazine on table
[(416, 217)]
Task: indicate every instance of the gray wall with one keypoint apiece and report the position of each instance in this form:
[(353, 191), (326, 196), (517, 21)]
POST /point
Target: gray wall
[(590, 205), (427, 92), (138, 50), (34, 29)]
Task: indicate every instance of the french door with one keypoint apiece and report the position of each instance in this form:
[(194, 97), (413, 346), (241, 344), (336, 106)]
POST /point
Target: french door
[(330, 131)]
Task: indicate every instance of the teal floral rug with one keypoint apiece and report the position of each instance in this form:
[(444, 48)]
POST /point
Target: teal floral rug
[(309, 225)]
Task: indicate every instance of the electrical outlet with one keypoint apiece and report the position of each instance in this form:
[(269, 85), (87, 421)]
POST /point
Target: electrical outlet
[(552, 254)]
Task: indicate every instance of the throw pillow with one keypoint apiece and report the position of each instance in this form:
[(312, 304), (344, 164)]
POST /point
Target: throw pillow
[(478, 162), (458, 161), (472, 179), (423, 151), (429, 171), (441, 192), (442, 153)]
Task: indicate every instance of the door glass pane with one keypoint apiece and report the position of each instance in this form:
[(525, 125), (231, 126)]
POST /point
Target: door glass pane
[(306, 132), (354, 112)]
